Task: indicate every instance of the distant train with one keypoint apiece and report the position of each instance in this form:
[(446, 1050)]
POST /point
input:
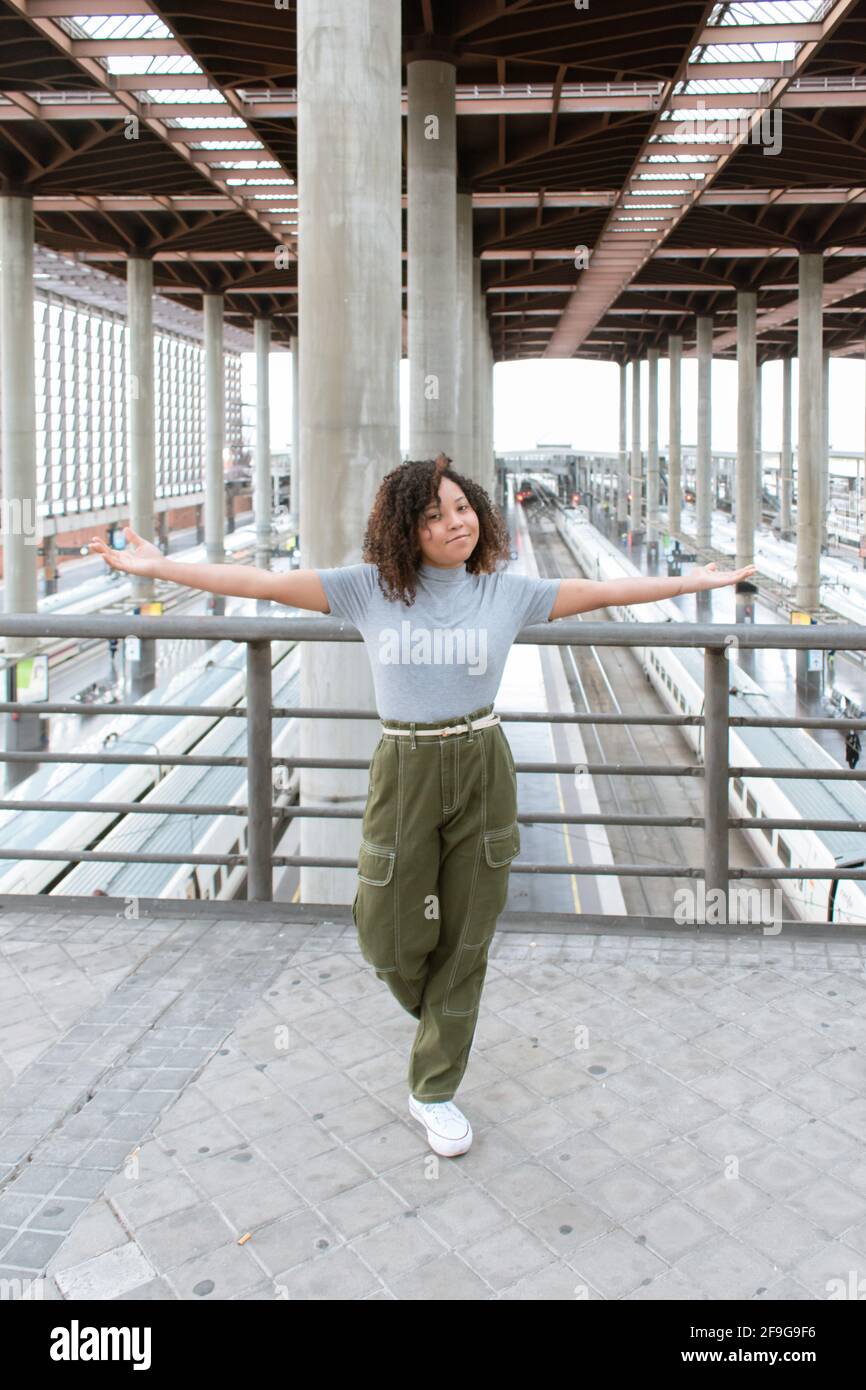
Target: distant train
[(525, 492)]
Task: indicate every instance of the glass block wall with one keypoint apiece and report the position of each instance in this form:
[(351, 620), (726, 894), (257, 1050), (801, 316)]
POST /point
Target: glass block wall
[(81, 408)]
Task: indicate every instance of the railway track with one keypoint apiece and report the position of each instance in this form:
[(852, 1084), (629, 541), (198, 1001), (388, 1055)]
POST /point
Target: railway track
[(594, 680)]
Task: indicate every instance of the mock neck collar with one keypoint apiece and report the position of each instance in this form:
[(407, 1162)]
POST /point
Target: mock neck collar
[(445, 576)]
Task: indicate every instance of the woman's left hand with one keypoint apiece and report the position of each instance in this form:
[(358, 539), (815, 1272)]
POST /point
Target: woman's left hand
[(710, 577)]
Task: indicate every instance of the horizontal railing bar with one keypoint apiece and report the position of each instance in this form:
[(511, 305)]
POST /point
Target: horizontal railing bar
[(132, 808), (146, 759), (239, 760), (290, 811), (565, 631), (299, 861), (832, 774), (586, 769), (516, 716), (74, 707), (294, 712)]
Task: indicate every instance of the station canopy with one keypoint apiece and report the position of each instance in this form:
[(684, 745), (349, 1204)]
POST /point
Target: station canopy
[(632, 163)]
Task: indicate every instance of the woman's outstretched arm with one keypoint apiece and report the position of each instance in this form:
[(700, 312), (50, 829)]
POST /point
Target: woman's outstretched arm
[(295, 588), (583, 595)]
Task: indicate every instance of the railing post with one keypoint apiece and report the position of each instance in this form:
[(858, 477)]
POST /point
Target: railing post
[(259, 778), (716, 726)]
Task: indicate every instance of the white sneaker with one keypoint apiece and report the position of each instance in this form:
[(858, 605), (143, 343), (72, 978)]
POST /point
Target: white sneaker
[(448, 1130)]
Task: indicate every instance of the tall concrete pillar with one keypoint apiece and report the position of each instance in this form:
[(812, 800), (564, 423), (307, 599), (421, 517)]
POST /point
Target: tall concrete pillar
[(786, 480), (675, 482), (759, 442), (262, 489), (465, 341), (860, 490), (809, 450), (635, 518), (350, 337), (622, 469), (214, 430), (747, 421), (21, 528), (825, 449), (431, 185), (295, 476), (652, 466), (703, 460), (747, 380), (487, 471), (141, 656), (479, 331)]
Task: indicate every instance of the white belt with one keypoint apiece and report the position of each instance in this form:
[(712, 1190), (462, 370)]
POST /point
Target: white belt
[(447, 729)]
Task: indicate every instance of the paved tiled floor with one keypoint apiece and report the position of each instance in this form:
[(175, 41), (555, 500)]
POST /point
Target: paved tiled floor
[(210, 1108)]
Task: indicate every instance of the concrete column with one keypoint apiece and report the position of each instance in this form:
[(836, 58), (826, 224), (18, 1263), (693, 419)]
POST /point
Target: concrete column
[(20, 528), (622, 469), (636, 461), (652, 466), (825, 450), (786, 481), (350, 337), (675, 481), (703, 460), (465, 344), (747, 379), (759, 442), (432, 257), (295, 477), (860, 489), (214, 430), (479, 327), (262, 489), (492, 414), (809, 347), (489, 479), (141, 656)]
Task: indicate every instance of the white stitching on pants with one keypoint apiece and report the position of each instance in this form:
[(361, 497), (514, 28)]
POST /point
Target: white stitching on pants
[(456, 797), (398, 827), (479, 850)]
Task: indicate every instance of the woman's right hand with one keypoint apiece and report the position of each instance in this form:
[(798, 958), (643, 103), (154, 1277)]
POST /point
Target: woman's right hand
[(143, 559)]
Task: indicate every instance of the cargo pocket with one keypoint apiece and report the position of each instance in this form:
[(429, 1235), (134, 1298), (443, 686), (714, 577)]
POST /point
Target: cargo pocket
[(501, 846), (373, 907), (491, 890)]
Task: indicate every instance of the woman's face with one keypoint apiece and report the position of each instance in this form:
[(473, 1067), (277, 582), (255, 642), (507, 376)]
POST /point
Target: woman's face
[(448, 530)]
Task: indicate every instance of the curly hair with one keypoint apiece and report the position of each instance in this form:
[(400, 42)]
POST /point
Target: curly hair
[(391, 535)]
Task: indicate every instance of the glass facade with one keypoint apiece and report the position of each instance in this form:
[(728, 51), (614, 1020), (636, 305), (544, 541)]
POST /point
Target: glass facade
[(81, 394)]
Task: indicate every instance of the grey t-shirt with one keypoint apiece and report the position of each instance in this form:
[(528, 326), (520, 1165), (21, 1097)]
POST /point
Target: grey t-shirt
[(443, 655)]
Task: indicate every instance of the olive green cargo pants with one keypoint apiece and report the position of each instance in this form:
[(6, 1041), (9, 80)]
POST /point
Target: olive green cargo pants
[(438, 837)]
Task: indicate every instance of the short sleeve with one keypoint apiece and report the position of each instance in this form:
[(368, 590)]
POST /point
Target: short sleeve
[(349, 589), (532, 599)]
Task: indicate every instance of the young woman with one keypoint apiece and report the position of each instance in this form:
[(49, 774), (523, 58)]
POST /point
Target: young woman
[(438, 613)]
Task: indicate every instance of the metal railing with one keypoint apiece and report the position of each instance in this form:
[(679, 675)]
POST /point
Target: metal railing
[(258, 632)]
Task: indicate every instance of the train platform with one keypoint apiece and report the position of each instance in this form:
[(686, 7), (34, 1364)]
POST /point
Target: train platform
[(775, 671), (534, 680), (215, 1107)]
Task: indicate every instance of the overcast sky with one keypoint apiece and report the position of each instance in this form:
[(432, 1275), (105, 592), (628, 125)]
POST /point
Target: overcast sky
[(577, 403)]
